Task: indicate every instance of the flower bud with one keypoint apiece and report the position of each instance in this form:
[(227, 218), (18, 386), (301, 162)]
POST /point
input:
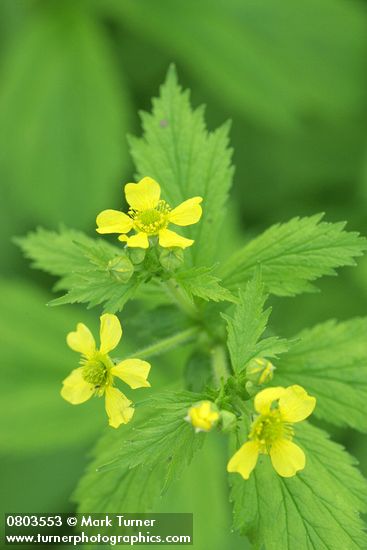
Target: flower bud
[(260, 371), (171, 258), (228, 421), (137, 255), (121, 268), (203, 416)]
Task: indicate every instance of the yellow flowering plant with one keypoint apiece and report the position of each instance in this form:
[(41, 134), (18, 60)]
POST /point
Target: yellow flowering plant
[(196, 309)]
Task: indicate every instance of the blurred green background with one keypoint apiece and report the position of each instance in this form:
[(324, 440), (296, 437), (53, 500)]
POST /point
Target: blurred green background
[(73, 76)]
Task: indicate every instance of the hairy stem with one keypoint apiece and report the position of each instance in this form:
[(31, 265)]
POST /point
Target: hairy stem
[(219, 364), (181, 299), (166, 344)]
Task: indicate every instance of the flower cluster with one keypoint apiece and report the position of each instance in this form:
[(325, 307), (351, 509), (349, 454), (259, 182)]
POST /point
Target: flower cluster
[(276, 409), (271, 431)]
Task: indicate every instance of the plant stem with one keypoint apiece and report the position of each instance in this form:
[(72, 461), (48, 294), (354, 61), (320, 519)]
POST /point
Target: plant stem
[(166, 344), (219, 364), (181, 299)]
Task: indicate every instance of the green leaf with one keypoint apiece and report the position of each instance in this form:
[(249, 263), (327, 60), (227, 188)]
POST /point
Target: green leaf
[(247, 54), (199, 281), (130, 490), (137, 464), (63, 114), (60, 253), (248, 325), (294, 254), (170, 427), (118, 489), (92, 271), (330, 361), (95, 288), (316, 509), (198, 371), (177, 150)]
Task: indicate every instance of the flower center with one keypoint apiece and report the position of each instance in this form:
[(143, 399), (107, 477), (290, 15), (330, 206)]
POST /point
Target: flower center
[(96, 371), (153, 220), (269, 428)]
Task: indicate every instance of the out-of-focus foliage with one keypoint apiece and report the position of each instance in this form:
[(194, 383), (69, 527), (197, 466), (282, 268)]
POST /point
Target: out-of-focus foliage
[(242, 51), (72, 74), (63, 114), (34, 356)]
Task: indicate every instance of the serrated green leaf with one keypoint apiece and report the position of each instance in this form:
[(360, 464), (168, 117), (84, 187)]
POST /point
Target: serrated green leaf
[(330, 361), (118, 489), (146, 447), (294, 254), (187, 160), (95, 288), (315, 510), (136, 464), (61, 253), (92, 270), (200, 282), (247, 326)]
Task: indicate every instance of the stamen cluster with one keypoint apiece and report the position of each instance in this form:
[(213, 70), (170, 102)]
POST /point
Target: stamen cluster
[(267, 429), (153, 220)]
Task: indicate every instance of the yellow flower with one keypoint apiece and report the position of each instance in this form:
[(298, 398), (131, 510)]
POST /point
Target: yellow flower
[(203, 416), (272, 433), (149, 216), (96, 375), (260, 371)]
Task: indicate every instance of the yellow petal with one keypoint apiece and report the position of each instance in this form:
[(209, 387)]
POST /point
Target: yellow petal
[(118, 407), (113, 221), (143, 195), (75, 389), (265, 398), (81, 340), (287, 458), (187, 213), (140, 240), (295, 404), (110, 332), (133, 372), (168, 239), (244, 460)]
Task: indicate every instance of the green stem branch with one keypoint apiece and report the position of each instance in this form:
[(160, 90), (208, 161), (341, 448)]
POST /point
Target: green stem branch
[(166, 344), (180, 298), (219, 364)]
